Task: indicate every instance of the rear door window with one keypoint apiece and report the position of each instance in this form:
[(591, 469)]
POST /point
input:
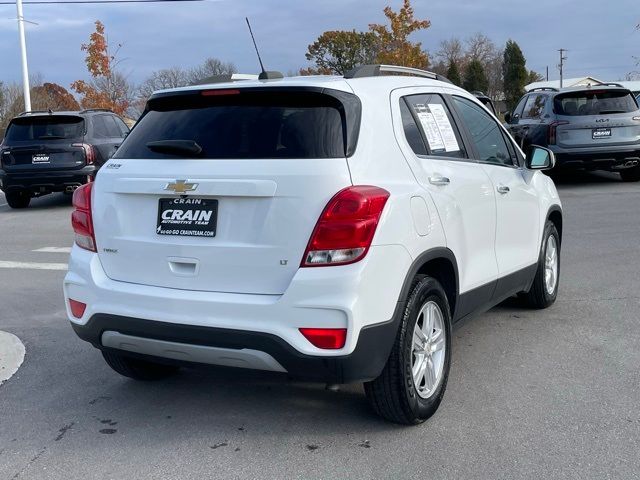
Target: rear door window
[(250, 124), (429, 126), (534, 107), (594, 102), (44, 128)]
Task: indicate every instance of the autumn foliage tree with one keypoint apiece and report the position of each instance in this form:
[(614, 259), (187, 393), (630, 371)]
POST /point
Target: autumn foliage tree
[(338, 51), (393, 40), (108, 88), (52, 96)]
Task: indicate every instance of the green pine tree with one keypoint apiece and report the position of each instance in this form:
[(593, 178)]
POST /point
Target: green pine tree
[(514, 73), (453, 74), (475, 79)]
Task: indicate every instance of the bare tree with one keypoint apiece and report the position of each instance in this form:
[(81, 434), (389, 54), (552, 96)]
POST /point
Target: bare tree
[(451, 51), (210, 68), (166, 78)]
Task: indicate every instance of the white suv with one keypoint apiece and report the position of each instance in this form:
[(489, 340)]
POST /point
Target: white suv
[(333, 228)]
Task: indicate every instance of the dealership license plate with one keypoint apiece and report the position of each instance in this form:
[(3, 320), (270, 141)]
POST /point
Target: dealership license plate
[(192, 217), (600, 133), (40, 158)]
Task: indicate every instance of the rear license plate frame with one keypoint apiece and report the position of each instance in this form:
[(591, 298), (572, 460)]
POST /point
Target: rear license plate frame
[(600, 133), (188, 217)]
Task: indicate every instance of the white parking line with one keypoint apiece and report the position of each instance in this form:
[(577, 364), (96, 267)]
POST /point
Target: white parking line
[(33, 265), (53, 250), (11, 355)]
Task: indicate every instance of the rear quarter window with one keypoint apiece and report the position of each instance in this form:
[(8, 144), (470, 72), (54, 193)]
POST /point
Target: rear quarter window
[(249, 124)]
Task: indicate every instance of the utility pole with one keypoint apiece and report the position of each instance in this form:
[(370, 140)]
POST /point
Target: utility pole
[(547, 73), (23, 55), (561, 65)]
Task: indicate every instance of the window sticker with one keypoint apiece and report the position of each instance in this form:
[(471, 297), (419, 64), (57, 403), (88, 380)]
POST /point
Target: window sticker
[(437, 128), (444, 125)]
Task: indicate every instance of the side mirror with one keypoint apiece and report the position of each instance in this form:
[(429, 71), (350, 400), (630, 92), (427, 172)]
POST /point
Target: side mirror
[(540, 158), (507, 117)]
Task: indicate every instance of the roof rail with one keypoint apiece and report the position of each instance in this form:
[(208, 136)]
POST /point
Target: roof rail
[(545, 89), (377, 71), (88, 110), (28, 112)]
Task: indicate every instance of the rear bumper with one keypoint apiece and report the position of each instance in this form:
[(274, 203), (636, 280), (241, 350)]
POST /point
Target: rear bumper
[(364, 363), (362, 297), (601, 158), (45, 182)]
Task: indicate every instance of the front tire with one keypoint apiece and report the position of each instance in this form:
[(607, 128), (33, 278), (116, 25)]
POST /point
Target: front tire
[(544, 290), (630, 174), (411, 386), (136, 368), (18, 198)]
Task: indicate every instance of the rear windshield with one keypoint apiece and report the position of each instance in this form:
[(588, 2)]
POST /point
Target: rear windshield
[(55, 127), (596, 102), (249, 124)]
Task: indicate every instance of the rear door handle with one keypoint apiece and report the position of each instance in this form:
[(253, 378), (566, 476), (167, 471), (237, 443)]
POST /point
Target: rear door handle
[(439, 180), (503, 189)]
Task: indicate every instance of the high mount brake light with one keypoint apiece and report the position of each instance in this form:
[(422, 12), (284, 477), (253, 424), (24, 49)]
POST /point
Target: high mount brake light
[(81, 219), (345, 229), (216, 93)]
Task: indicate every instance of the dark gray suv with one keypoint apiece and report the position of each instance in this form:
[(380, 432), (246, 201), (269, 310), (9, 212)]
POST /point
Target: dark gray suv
[(589, 128), (44, 151)]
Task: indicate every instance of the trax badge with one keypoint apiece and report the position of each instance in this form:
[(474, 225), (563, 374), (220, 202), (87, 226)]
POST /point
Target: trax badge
[(181, 186)]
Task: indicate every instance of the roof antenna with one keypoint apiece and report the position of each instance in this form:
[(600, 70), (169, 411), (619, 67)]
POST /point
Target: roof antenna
[(264, 75)]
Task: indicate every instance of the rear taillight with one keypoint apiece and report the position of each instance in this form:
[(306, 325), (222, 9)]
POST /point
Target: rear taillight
[(89, 152), (346, 227), (551, 136), (81, 219), (326, 338)]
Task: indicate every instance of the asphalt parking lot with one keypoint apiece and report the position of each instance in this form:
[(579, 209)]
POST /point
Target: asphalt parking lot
[(532, 394)]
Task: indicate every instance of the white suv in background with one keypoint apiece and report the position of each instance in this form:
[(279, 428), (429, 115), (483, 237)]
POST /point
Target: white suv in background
[(333, 228)]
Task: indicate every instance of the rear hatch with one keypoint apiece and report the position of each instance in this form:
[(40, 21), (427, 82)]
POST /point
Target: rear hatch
[(39, 143), (597, 117), (219, 190)]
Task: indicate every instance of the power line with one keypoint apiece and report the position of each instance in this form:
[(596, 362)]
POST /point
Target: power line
[(41, 2)]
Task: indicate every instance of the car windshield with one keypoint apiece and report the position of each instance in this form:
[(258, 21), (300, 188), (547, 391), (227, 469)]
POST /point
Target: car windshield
[(595, 102), (42, 128), (246, 124)]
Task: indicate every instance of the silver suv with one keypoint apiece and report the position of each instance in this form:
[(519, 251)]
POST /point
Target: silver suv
[(589, 128)]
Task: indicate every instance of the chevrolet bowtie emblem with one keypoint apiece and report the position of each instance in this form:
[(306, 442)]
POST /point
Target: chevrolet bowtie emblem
[(181, 186)]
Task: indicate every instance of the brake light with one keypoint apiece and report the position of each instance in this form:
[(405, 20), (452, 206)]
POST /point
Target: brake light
[(77, 308), (551, 137), (81, 219), (346, 227), (216, 93), (326, 338), (89, 152)]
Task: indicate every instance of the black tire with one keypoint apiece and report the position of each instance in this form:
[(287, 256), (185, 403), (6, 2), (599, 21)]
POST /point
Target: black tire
[(630, 174), (18, 198), (538, 296), (136, 368), (393, 395)]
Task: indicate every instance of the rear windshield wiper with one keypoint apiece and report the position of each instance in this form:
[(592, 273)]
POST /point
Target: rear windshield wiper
[(608, 112), (176, 147), (50, 137)]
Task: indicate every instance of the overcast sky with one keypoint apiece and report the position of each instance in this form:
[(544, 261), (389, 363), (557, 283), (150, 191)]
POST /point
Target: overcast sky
[(600, 36)]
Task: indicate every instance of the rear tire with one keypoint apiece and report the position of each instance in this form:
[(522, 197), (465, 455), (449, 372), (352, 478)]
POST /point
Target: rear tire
[(138, 369), (630, 174), (18, 198), (398, 394), (544, 290)]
